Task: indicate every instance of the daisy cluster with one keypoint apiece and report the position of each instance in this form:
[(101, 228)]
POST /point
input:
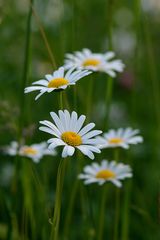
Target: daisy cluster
[(67, 128)]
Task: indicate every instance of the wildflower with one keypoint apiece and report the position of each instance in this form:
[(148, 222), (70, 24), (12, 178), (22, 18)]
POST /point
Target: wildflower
[(94, 61), (68, 132), (57, 81), (34, 151), (106, 172), (120, 138)]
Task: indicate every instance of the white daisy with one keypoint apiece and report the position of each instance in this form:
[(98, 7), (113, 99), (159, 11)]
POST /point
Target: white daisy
[(94, 61), (68, 132), (120, 138), (59, 80), (34, 151), (106, 172)]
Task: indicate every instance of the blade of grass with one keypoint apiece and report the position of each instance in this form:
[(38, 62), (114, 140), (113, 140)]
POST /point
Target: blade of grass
[(25, 69), (42, 31)]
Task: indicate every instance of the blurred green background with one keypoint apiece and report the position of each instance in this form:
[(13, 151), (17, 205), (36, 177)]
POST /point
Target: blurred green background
[(131, 29)]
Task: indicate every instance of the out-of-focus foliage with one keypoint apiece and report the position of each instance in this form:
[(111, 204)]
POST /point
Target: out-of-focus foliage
[(71, 25)]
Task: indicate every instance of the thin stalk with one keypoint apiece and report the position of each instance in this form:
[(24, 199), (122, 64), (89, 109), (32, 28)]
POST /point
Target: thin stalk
[(70, 209), (125, 217), (75, 97), (117, 214), (58, 199), (28, 211), (25, 68), (127, 190), (72, 201), (61, 100), (42, 31), (90, 94), (109, 87), (117, 203), (102, 215)]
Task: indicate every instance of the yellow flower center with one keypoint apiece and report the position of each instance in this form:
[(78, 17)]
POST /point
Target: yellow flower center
[(71, 138), (91, 62), (105, 174), (57, 82), (29, 150), (115, 140)]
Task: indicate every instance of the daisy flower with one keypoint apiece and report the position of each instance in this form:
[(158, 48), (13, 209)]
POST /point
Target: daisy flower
[(106, 172), (120, 138), (34, 151), (68, 132), (57, 81), (94, 61)]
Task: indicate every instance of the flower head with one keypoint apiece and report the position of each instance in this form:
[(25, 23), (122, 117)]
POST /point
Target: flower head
[(120, 138), (34, 151), (106, 172), (68, 132), (57, 81), (94, 61)]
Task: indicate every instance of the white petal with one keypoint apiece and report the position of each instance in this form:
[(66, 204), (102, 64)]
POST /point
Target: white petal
[(73, 121), (92, 141), (67, 118), (116, 182), (33, 88), (86, 151), (86, 129), (67, 75), (91, 134), (109, 55), (49, 77), (56, 141), (40, 94), (57, 121), (48, 130), (71, 150), (79, 123), (52, 126), (65, 152), (41, 82)]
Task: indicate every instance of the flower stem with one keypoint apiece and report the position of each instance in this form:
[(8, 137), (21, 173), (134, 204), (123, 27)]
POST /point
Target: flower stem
[(117, 203), (25, 69), (102, 215), (70, 209), (58, 198), (117, 213), (90, 94), (109, 87), (125, 222), (61, 100)]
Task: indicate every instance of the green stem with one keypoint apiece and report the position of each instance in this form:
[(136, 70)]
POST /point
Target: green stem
[(109, 90), (28, 210), (117, 203), (61, 100), (75, 97), (125, 222), (109, 87), (89, 98), (58, 199), (102, 215), (25, 67), (43, 34), (70, 210), (117, 213), (137, 66)]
